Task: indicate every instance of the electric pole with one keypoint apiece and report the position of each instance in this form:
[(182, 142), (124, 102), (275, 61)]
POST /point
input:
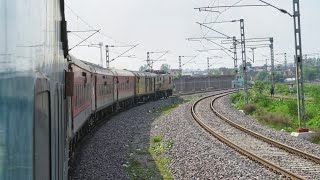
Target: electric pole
[(285, 61), (272, 61), (101, 58), (252, 49), (235, 59), (107, 57), (208, 62), (299, 68), (244, 61), (148, 61), (180, 67)]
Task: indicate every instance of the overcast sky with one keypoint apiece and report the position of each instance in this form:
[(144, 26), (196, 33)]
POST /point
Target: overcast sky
[(164, 25)]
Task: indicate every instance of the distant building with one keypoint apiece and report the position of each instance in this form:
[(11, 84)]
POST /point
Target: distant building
[(175, 72)]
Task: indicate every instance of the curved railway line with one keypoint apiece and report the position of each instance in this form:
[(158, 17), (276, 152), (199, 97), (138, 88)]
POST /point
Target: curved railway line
[(280, 158)]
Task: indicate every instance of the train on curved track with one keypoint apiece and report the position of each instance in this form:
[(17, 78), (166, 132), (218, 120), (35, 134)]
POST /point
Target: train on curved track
[(50, 99)]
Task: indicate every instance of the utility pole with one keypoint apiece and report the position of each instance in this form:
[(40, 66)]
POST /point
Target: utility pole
[(148, 61), (234, 41), (252, 49), (272, 61), (244, 61), (107, 57), (180, 67), (101, 58), (208, 62), (285, 61), (299, 68)]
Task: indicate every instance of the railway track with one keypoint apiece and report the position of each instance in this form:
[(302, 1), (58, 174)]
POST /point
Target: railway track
[(280, 158)]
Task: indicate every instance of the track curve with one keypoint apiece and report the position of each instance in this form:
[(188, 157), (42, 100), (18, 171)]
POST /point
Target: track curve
[(283, 159)]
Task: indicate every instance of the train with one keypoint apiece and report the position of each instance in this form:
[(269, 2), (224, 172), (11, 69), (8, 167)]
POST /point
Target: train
[(50, 99), (96, 92)]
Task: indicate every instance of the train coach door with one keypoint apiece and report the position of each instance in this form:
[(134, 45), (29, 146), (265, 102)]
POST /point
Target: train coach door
[(94, 93), (116, 89), (41, 124)]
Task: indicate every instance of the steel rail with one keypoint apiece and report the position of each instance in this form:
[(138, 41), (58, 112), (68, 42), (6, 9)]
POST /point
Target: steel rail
[(264, 138), (236, 147)]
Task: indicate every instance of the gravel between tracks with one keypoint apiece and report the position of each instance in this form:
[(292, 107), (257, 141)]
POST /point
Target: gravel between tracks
[(238, 117), (195, 154), (103, 154)]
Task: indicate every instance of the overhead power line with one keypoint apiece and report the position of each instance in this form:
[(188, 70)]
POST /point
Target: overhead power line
[(221, 14), (281, 10), (90, 26), (84, 40)]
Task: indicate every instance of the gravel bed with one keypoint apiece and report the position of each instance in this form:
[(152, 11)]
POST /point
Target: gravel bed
[(238, 117), (197, 155), (103, 154), (194, 155)]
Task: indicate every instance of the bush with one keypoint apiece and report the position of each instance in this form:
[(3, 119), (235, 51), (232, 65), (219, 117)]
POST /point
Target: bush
[(249, 108), (263, 100), (275, 119), (316, 137), (293, 108)]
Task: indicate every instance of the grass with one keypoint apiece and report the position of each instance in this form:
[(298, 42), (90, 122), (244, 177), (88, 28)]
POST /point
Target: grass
[(151, 161), (278, 120), (148, 159), (316, 137), (281, 113), (249, 108)]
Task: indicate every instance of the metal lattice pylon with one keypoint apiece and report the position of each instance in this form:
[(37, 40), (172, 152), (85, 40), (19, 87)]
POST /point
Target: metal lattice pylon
[(244, 61), (298, 60)]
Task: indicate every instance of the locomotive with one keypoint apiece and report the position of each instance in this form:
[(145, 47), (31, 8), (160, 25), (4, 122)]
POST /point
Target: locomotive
[(50, 99)]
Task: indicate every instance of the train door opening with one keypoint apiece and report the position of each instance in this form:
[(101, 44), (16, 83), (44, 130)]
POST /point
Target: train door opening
[(41, 143)]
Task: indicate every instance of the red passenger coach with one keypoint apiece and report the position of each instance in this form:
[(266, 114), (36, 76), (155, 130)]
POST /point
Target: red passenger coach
[(103, 92), (123, 95), (81, 106)]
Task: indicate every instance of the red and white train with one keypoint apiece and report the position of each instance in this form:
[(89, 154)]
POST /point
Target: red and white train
[(96, 92), (49, 99)]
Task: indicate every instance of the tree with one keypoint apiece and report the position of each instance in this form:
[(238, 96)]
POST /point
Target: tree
[(165, 67), (262, 76), (143, 68), (259, 86), (278, 77), (309, 73)]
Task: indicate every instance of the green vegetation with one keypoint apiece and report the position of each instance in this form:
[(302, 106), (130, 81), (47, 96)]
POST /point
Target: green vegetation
[(280, 113), (265, 77), (165, 67), (316, 137), (149, 162)]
